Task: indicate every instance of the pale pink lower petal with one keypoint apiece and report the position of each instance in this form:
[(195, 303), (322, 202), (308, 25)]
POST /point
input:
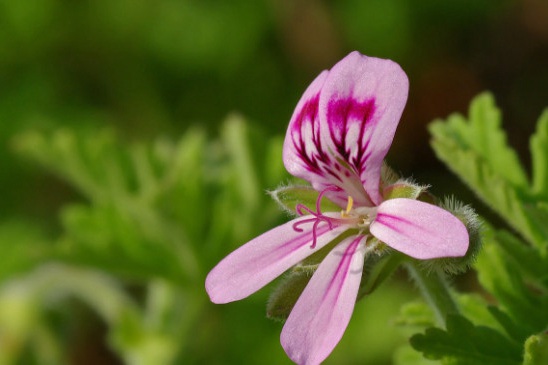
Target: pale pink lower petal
[(264, 258), (320, 316), (420, 230)]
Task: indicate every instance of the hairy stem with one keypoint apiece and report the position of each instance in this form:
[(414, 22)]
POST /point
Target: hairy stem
[(435, 290)]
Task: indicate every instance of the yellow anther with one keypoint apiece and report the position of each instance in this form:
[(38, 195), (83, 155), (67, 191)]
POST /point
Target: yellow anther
[(346, 213), (349, 205)]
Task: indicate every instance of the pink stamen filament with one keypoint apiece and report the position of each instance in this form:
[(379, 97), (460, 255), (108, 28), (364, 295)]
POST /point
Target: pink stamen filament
[(318, 216)]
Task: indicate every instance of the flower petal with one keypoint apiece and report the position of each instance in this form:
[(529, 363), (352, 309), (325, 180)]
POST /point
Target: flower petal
[(303, 153), (264, 258), (320, 316), (343, 126), (420, 230), (360, 106)]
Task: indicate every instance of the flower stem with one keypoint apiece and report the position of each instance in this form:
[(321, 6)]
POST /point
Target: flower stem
[(435, 290)]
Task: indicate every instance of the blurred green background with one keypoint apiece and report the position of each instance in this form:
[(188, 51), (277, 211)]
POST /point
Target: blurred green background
[(138, 139)]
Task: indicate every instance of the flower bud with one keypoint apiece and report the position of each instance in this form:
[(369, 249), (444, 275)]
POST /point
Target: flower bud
[(404, 189)]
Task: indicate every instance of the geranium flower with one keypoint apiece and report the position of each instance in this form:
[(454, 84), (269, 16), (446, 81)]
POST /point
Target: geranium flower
[(337, 139)]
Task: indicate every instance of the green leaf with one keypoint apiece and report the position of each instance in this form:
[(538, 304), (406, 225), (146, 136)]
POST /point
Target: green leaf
[(512, 329), (416, 315), (132, 242), (175, 175), (240, 209), (476, 309), (527, 258), (537, 213), (235, 138), (482, 134), (406, 355), (25, 299), (155, 335), (539, 156), (500, 275), (273, 163), (74, 158), (22, 246), (477, 152), (463, 343), (536, 350)]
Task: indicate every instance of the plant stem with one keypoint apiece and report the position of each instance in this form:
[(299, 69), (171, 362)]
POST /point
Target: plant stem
[(435, 290)]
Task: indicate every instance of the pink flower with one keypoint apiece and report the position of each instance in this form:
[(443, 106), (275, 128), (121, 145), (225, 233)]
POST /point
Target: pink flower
[(337, 139)]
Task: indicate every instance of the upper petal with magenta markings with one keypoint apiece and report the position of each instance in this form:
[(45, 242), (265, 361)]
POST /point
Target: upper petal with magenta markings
[(343, 126)]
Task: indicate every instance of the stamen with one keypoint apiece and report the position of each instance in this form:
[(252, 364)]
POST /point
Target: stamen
[(320, 196), (349, 205), (300, 207), (318, 216)]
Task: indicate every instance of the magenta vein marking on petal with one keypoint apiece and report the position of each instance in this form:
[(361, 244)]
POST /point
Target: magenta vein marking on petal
[(288, 248), (340, 111), (301, 240), (339, 276), (397, 223), (308, 113)]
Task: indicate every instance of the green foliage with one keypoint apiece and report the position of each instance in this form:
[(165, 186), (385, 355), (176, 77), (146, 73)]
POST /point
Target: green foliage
[(512, 270), (501, 274), (465, 344), (539, 155), (155, 216), (24, 300), (476, 151), (22, 246), (536, 350)]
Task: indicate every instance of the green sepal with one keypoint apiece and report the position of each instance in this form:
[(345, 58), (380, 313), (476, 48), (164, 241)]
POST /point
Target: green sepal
[(403, 189), (388, 176), (376, 270), (286, 294), (315, 259), (536, 350), (288, 197)]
